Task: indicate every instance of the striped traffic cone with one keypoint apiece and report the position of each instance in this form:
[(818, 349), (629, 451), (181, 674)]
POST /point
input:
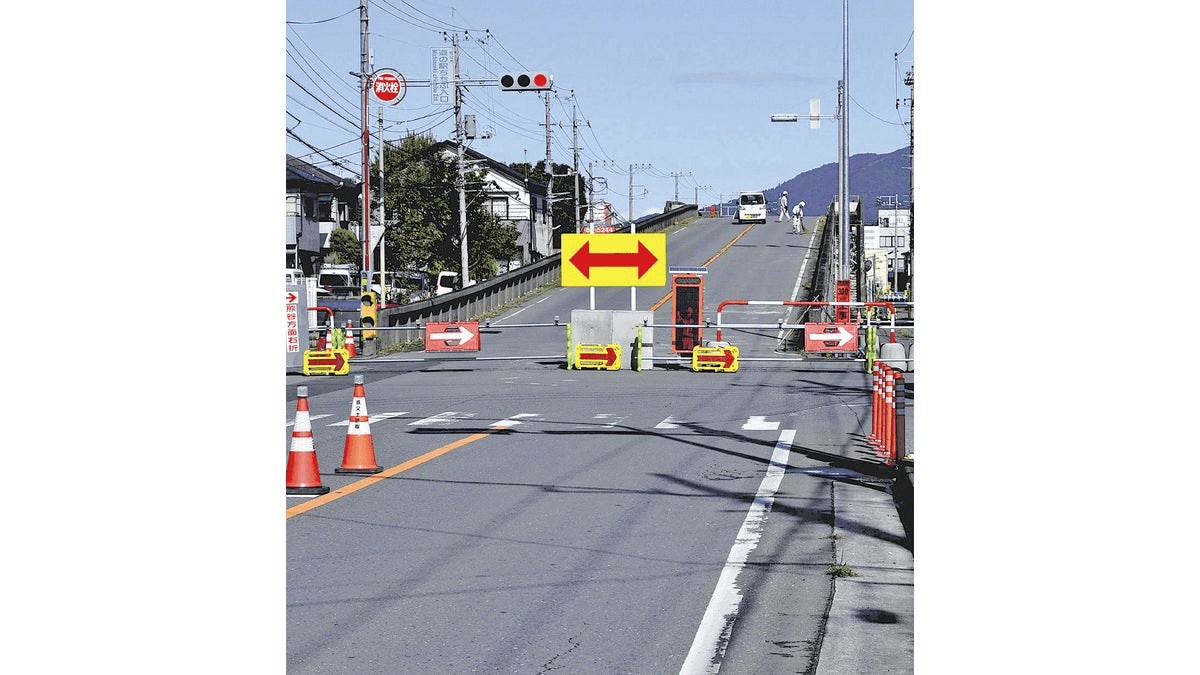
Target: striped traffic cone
[(359, 455), (350, 340), (303, 476)]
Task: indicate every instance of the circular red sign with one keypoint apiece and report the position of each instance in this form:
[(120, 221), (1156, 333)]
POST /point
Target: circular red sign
[(387, 87)]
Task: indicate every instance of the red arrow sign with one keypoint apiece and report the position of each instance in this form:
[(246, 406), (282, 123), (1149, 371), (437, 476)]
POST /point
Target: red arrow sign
[(726, 358), (609, 356), (291, 297), (335, 359), (584, 260)]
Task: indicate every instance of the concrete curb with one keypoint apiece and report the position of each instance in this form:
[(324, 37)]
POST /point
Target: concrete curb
[(870, 626)]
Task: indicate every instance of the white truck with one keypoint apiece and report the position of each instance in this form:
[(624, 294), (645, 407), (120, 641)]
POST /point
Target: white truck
[(751, 208), (338, 280)]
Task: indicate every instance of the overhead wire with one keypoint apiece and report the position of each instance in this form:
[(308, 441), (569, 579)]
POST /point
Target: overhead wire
[(338, 95)]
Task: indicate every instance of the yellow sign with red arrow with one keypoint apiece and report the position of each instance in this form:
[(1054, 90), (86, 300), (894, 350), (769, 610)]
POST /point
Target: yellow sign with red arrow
[(326, 362), (717, 359), (601, 357), (614, 259)]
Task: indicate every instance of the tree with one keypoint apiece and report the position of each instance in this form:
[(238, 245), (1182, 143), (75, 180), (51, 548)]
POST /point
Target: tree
[(565, 217), (422, 204), (344, 248)]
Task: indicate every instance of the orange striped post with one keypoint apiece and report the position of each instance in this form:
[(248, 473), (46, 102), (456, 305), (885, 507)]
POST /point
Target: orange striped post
[(876, 412)]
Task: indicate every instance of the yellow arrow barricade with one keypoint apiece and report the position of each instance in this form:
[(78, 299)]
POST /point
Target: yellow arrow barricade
[(715, 359), (600, 357), (326, 362)]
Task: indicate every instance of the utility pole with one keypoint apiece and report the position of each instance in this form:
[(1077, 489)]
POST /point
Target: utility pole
[(364, 72), (575, 169), (912, 221), (844, 140), (591, 188), (633, 230), (550, 174), (460, 179), (382, 214), (676, 177)]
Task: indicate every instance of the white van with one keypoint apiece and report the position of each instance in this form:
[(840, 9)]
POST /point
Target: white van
[(752, 207)]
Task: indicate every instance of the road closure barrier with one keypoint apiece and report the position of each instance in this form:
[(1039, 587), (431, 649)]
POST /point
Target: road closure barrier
[(600, 357), (718, 359)]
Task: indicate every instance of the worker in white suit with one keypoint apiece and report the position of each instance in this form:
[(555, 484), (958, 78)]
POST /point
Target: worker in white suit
[(798, 219), (783, 206)]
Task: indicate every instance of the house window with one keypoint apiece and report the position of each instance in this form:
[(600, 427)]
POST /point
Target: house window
[(499, 207)]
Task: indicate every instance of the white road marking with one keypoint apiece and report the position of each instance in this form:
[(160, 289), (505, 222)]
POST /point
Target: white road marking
[(708, 647), (371, 419), (669, 423), (311, 418), (759, 423), (441, 418), (513, 421)]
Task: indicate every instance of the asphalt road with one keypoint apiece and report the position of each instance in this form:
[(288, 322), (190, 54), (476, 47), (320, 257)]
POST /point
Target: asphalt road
[(585, 521)]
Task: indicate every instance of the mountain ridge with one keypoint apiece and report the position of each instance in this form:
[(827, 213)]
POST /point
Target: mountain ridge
[(872, 175)]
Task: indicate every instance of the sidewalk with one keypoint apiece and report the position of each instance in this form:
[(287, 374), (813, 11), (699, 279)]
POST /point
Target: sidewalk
[(870, 627)]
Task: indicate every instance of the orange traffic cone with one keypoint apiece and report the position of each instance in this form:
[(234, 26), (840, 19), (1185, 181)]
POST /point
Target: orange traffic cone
[(326, 341), (350, 340), (359, 455), (303, 476)]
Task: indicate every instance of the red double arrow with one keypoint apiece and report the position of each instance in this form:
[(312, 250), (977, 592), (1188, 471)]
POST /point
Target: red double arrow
[(584, 260), (609, 356), (726, 357)]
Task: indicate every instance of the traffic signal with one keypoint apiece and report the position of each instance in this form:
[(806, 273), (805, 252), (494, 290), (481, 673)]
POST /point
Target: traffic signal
[(526, 81), (370, 314), (687, 302)]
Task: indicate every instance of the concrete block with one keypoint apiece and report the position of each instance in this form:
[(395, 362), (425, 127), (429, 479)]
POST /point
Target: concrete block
[(892, 353)]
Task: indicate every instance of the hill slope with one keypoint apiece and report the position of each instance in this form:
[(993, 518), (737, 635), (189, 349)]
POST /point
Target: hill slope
[(871, 176)]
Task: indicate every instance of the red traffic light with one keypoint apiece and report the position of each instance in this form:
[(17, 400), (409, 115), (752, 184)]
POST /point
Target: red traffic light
[(526, 81)]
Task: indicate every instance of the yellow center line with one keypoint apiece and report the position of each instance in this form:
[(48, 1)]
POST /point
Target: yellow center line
[(718, 254), (387, 473)]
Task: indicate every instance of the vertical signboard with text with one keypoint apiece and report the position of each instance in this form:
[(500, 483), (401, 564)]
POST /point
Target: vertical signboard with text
[(441, 64)]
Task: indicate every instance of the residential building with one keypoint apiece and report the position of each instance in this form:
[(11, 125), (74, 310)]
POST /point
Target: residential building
[(515, 199), (887, 246), (317, 202)]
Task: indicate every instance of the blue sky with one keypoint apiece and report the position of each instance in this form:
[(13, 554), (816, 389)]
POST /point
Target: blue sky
[(686, 88)]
